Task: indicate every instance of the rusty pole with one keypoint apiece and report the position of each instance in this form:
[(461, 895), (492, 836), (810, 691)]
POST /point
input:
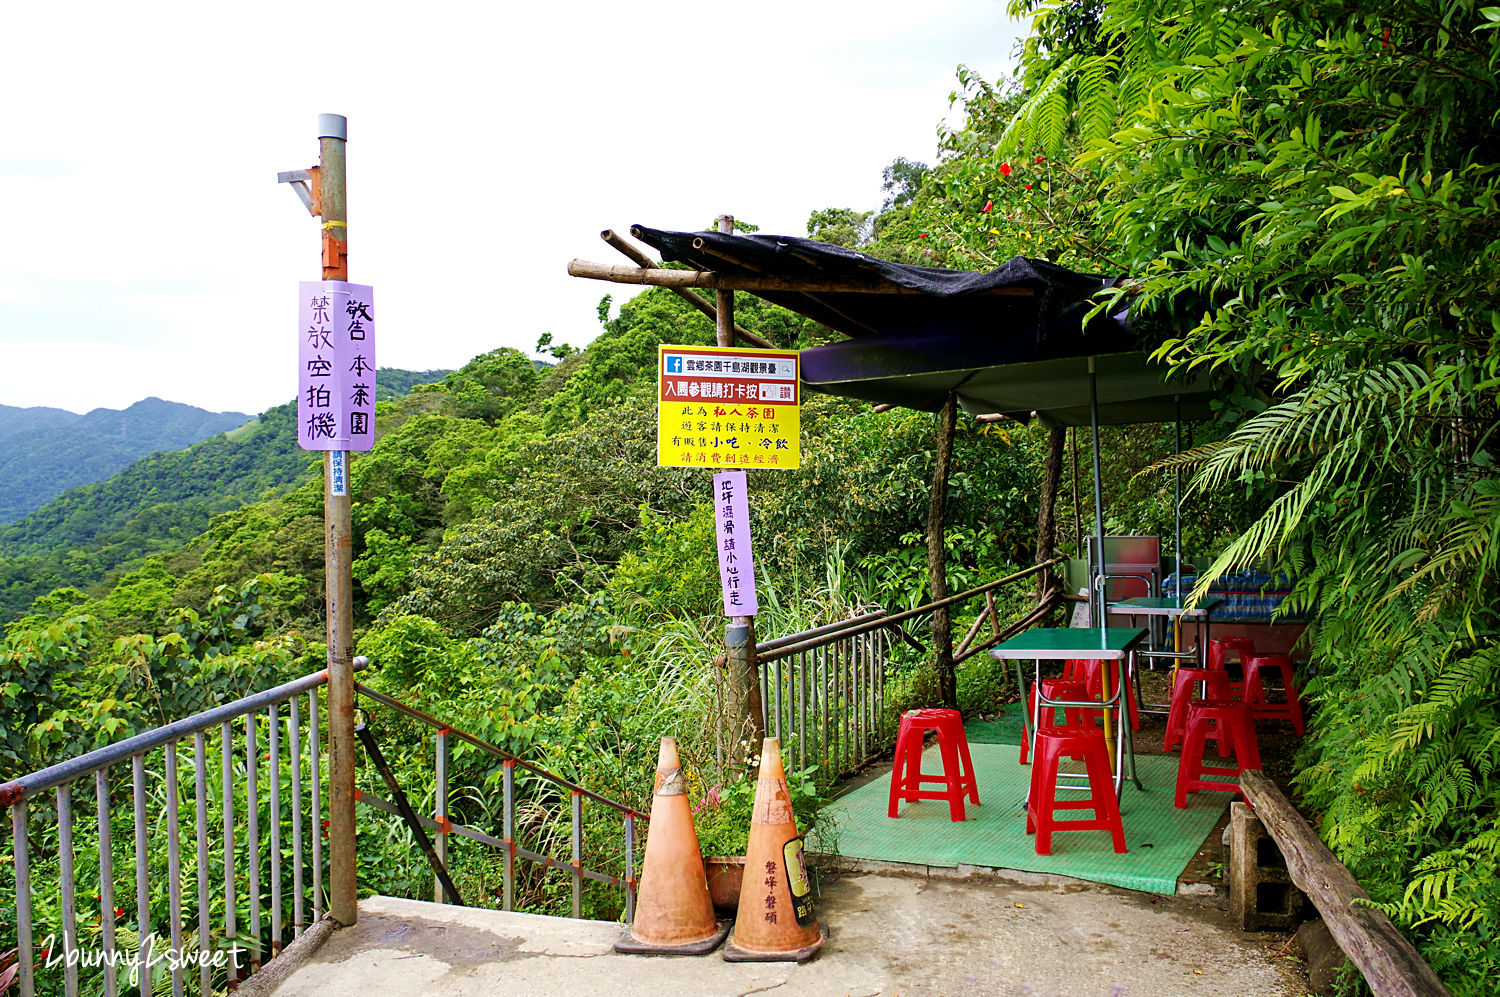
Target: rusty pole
[(339, 584)]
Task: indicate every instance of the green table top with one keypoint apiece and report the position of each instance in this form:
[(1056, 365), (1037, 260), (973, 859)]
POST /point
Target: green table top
[(1070, 642), (1163, 606)]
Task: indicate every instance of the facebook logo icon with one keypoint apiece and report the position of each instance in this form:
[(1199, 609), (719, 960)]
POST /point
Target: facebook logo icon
[(674, 365)]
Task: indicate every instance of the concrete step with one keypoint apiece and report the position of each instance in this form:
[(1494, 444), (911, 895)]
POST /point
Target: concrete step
[(889, 934)]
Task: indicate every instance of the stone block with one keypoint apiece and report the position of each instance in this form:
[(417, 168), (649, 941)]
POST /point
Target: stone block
[(1262, 895)]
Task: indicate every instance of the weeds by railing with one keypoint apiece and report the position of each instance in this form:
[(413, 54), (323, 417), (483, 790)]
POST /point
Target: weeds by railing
[(510, 849)]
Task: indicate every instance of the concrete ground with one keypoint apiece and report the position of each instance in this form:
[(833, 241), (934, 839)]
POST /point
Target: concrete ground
[(888, 935)]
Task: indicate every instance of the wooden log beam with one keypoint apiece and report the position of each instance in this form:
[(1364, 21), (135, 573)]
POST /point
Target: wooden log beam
[(645, 262), (1390, 963), (752, 282), (1046, 515)]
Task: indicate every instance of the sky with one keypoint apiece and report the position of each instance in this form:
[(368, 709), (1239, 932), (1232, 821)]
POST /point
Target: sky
[(146, 248)]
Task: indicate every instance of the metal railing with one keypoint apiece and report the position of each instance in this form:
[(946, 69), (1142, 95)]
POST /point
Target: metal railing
[(823, 691), (216, 737), (254, 754), (507, 844)]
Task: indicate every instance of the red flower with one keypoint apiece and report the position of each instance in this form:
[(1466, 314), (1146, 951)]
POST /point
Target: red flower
[(1005, 169), (1041, 159), (1028, 186), (922, 236), (119, 912), (1385, 38), (988, 206)]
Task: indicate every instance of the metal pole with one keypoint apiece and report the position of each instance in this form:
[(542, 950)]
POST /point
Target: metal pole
[(1096, 592), (339, 583), (440, 808), (1177, 500)]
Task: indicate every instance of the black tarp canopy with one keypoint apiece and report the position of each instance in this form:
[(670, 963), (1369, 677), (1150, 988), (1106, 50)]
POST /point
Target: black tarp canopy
[(1010, 340)]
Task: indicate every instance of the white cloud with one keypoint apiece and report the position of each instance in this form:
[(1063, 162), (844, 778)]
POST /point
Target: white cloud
[(149, 250)]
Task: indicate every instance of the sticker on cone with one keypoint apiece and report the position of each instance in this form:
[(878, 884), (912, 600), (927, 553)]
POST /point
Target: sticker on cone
[(673, 914), (776, 922), (798, 882)]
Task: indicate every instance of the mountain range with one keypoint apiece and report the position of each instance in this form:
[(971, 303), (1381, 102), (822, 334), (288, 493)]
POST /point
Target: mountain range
[(46, 451)]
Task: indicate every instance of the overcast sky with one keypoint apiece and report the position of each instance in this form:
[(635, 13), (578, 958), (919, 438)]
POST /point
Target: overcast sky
[(146, 248)]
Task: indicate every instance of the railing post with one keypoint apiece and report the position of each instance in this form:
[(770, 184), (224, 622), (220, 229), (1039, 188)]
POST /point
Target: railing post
[(508, 822), (440, 811), (21, 852), (65, 872), (106, 880), (577, 854), (630, 867)]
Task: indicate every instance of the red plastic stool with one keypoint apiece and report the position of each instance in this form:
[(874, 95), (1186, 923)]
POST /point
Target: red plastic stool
[(1052, 745), (1089, 670), (1217, 682), (1219, 648), (907, 777), (1255, 691), (1233, 724), (1057, 688)]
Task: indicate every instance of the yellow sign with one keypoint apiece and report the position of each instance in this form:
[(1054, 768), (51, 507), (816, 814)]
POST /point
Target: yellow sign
[(728, 407)]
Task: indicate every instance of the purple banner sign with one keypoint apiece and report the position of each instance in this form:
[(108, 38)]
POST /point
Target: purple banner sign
[(336, 366), (732, 527)]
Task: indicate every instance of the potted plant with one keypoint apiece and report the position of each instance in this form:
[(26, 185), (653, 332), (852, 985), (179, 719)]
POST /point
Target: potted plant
[(722, 820), (722, 816)]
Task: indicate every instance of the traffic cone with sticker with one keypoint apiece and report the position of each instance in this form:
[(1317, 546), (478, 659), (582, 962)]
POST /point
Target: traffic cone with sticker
[(776, 922), (673, 913)]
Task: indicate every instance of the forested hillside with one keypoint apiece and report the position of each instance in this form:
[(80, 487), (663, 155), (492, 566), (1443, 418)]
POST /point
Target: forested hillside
[(48, 457), (1304, 195), (159, 502)]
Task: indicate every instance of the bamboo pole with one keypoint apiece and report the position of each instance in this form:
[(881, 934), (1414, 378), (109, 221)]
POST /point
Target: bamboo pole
[(754, 282), (339, 596), (645, 262)]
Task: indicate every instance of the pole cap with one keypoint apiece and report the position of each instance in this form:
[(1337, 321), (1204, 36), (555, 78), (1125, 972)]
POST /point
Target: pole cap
[(333, 126)]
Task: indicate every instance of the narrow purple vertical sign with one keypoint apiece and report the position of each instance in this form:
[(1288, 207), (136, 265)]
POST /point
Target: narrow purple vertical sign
[(336, 366), (732, 527)]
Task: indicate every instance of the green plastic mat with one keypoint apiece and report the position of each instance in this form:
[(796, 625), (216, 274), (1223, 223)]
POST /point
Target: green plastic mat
[(1003, 728), (1161, 839)]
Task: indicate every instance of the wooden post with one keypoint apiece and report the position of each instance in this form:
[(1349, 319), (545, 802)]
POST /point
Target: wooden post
[(739, 635), (937, 559), (339, 585), (1046, 513)]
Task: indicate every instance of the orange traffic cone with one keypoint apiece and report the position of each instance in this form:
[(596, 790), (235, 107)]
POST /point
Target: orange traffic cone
[(776, 922), (673, 914)]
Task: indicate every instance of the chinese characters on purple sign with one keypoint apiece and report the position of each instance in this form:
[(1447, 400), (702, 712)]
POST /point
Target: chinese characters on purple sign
[(732, 526), (336, 366)]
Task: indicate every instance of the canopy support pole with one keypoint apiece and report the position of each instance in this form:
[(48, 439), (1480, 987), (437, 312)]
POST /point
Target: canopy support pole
[(1098, 569), (937, 568)]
